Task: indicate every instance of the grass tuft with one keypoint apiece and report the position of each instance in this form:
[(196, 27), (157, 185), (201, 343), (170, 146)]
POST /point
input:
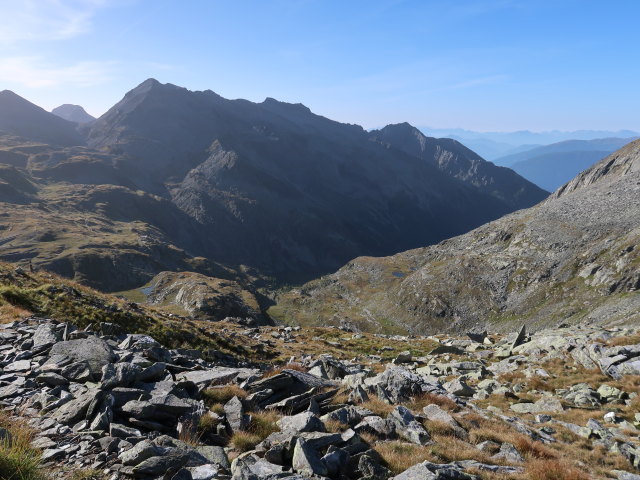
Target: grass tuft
[(18, 460)]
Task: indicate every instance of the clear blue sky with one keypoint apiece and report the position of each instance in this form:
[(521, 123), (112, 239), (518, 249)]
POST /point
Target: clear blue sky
[(483, 65)]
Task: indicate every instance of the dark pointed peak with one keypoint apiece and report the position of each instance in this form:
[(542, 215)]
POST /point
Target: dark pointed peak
[(402, 126), (152, 85), (149, 83)]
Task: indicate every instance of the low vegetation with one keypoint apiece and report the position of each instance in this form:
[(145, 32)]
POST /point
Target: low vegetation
[(18, 460)]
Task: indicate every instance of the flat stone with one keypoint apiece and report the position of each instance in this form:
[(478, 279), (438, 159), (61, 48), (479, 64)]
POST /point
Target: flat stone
[(77, 372), (171, 404), (204, 472), (139, 453), (171, 460), (19, 366), (216, 376), (75, 410), (139, 409), (52, 454), (43, 443), (9, 391), (122, 431), (302, 422), (215, 455), (52, 379), (459, 388)]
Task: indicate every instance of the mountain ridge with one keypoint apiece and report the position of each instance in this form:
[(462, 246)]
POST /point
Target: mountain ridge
[(573, 258), (25, 119), (254, 190)]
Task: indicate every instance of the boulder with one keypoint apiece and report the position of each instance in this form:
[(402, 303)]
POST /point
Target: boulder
[(408, 427), (306, 460), (236, 418), (459, 388), (139, 453), (94, 351)]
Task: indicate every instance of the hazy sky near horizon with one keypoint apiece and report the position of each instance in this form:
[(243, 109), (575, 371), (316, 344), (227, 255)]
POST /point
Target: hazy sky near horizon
[(487, 65)]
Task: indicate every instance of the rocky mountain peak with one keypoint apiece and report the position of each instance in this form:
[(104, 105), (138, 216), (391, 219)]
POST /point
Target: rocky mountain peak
[(620, 163), (290, 106)]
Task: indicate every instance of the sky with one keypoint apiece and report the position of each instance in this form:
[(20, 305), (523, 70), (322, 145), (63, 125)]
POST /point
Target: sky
[(486, 65)]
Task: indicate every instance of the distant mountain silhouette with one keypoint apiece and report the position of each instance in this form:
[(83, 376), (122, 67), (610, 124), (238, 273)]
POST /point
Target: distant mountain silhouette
[(72, 113), (553, 165), (24, 119), (493, 145)]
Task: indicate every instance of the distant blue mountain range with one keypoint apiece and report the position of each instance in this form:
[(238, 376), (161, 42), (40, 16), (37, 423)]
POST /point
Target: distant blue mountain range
[(493, 145)]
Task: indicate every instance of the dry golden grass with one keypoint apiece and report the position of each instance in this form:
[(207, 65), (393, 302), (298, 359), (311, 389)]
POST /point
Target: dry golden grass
[(398, 456), (628, 340), (531, 449), (10, 313), (18, 461), (449, 448), (441, 429), (244, 441), (579, 416), (597, 459), (207, 424), (334, 426), (553, 470), (190, 434), (262, 425), (377, 406), (341, 397), (222, 394), (418, 402)]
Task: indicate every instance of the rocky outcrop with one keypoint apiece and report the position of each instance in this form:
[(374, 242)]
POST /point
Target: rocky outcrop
[(204, 297)]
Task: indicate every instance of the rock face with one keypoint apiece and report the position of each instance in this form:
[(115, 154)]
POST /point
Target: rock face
[(72, 113), (573, 258), (452, 157), (204, 297), (190, 181)]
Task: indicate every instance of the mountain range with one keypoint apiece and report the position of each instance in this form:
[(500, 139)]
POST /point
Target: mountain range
[(493, 145), (551, 166), (170, 179), (574, 258)]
